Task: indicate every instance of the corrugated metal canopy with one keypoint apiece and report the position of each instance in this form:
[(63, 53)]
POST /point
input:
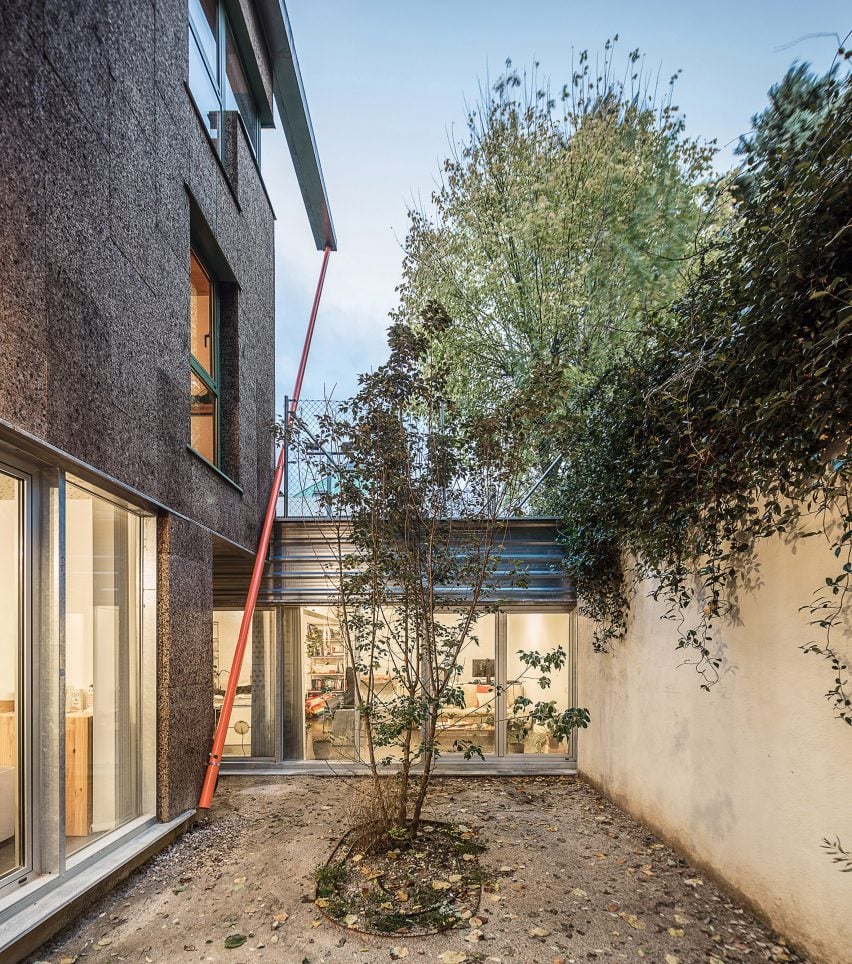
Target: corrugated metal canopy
[(302, 561)]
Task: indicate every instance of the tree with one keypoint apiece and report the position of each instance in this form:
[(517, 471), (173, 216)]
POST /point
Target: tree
[(417, 514), (560, 224)]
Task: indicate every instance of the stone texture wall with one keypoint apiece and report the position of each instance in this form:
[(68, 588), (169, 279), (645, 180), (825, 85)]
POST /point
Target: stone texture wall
[(745, 779), (101, 158)]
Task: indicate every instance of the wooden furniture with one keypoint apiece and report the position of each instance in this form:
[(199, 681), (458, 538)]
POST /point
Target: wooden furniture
[(78, 774), (78, 766)]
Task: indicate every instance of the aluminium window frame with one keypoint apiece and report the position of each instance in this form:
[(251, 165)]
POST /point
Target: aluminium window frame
[(218, 77), (211, 382)]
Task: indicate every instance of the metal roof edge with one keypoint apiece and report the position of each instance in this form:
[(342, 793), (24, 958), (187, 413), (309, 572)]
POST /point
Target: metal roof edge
[(296, 120)]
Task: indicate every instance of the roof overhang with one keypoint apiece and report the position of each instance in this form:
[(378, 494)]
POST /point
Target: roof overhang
[(296, 120)]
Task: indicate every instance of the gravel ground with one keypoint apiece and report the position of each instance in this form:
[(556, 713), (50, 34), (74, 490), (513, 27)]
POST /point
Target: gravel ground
[(570, 878)]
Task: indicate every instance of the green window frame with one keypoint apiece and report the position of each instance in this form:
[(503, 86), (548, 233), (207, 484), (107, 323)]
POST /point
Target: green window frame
[(216, 67), (205, 410)]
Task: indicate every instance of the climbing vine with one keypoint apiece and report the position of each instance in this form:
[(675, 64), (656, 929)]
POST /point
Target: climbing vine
[(731, 424)]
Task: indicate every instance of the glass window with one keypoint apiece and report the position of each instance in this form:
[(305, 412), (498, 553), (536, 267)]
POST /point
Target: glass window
[(204, 17), (238, 95), (217, 77), (11, 655), (204, 92), (103, 747), (542, 633), (203, 384), (201, 315), (474, 722), (251, 727)]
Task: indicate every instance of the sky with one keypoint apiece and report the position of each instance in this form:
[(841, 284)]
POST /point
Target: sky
[(387, 82)]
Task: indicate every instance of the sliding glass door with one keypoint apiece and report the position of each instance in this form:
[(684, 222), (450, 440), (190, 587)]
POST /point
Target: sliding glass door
[(14, 702)]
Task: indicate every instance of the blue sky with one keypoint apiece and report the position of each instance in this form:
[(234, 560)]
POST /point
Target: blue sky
[(387, 84)]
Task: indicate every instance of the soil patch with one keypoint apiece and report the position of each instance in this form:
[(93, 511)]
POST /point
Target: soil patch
[(415, 888)]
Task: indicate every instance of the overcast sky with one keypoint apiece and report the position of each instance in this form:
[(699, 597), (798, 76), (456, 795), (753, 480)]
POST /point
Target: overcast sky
[(387, 81)]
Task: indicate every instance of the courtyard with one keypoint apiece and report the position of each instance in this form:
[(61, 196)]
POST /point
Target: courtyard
[(567, 877)]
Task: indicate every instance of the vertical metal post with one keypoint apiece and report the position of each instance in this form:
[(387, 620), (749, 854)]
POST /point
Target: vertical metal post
[(286, 511)]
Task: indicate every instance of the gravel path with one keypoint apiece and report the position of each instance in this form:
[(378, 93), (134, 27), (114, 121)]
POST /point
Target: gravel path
[(570, 878)]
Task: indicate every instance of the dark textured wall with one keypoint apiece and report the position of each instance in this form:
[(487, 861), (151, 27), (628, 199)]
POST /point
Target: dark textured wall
[(101, 152)]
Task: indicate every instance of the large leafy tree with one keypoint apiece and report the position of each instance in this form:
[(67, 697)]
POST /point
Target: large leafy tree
[(560, 223)]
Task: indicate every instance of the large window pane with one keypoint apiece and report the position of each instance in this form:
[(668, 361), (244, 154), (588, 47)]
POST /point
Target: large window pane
[(204, 17), (238, 95), (202, 415), (331, 718), (251, 729), (474, 722), (542, 633), (11, 653), (102, 654), (203, 91), (201, 316)]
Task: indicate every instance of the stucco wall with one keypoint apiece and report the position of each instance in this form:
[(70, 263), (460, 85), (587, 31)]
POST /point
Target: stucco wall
[(748, 778)]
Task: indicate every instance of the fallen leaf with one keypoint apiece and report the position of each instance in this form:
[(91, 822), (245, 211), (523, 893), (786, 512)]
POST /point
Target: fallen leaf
[(279, 919), (454, 878), (632, 920), (440, 885), (676, 932), (468, 857), (680, 919), (539, 932), (235, 940), (452, 957), (612, 907), (350, 920), (671, 959), (104, 942), (694, 881), (240, 880), (579, 892), (401, 896), (473, 936), (398, 953), (476, 922), (322, 901)]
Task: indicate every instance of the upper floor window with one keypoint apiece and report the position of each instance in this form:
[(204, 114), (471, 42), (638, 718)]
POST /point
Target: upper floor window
[(204, 362), (217, 77)]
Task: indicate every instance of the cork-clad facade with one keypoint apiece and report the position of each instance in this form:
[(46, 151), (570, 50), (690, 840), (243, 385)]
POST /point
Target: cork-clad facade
[(137, 404)]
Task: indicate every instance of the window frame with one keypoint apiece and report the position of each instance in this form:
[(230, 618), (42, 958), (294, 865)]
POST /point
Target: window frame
[(210, 381), (218, 78)]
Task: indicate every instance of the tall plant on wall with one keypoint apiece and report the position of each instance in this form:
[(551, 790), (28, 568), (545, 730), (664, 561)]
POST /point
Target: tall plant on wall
[(416, 519)]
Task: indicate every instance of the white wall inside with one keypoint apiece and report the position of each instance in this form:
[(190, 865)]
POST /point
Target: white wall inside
[(748, 778)]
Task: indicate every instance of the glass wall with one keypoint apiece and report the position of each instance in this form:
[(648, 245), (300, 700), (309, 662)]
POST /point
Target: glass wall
[(474, 723), (251, 730), (319, 685), (541, 633), (103, 620), (12, 554)]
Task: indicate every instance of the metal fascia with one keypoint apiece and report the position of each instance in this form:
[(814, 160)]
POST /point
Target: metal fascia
[(296, 120)]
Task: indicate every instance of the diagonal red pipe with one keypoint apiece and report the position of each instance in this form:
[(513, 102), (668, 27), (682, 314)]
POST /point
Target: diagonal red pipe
[(212, 773)]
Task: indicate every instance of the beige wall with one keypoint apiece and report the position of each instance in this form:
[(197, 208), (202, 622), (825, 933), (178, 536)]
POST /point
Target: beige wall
[(746, 779)]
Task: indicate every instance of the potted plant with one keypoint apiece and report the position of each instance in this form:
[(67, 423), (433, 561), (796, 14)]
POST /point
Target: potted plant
[(516, 731)]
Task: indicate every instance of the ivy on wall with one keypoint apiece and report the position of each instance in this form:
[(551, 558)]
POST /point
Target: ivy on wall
[(732, 423)]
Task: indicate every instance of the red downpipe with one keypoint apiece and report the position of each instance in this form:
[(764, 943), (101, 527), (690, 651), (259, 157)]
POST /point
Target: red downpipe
[(212, 774)]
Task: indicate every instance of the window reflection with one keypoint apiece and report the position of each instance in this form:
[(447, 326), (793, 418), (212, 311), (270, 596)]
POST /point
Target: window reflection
[(202, 418), (204, 91), (238, 93)]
